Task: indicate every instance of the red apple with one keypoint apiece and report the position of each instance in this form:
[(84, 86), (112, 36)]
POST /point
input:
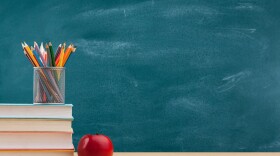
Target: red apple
[(95, 145)]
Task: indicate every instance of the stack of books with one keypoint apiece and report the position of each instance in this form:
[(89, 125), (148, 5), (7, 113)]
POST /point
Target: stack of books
[(36, 130)]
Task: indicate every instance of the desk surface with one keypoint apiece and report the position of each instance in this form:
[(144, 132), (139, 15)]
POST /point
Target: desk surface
[(192, 154)]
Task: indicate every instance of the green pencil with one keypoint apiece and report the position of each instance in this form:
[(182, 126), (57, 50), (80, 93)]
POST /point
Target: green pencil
[(52, 54), (49, 56)]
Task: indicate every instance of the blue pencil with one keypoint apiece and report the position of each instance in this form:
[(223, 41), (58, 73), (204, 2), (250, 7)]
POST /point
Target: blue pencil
[(37, 57)]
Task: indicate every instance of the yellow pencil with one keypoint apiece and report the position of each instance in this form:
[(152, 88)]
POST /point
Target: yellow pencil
[(61, 55), (28, 58)]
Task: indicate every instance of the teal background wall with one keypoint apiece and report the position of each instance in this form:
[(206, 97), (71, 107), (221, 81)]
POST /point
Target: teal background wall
[(157, 75)]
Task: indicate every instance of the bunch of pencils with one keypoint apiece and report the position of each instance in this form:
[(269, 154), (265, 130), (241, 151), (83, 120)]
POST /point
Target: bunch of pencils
[(48, 82), (45, 57)]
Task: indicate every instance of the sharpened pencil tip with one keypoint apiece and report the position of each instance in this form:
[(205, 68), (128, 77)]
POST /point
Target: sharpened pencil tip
[(74, 49)]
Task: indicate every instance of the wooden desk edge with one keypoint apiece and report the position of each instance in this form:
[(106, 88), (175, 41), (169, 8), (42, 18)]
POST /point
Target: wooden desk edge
[(194, 153)]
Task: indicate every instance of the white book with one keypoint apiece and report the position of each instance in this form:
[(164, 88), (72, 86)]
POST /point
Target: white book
[(35, 140), (37, 152), (21, 124), (36, 110)]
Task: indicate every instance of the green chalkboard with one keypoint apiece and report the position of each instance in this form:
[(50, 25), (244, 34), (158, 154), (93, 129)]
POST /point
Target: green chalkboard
[(157, 75)]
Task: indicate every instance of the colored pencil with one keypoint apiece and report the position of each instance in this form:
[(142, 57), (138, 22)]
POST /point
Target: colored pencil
[(45, 57), (28, 58), (52, 54), (57, 52), (67, 53), (61, 55), (73, 49), (49, 56), (40, 53), (30, 54), (37, 57)]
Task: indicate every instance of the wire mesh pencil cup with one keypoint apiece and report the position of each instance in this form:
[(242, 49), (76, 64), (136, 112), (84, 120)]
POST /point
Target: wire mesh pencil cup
[(49, 85)]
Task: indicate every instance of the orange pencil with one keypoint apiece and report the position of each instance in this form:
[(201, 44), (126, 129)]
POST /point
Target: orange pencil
[(66, 54), (73, 49)]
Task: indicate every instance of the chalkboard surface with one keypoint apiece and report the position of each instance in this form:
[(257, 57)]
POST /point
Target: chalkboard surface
[(166, 75)]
